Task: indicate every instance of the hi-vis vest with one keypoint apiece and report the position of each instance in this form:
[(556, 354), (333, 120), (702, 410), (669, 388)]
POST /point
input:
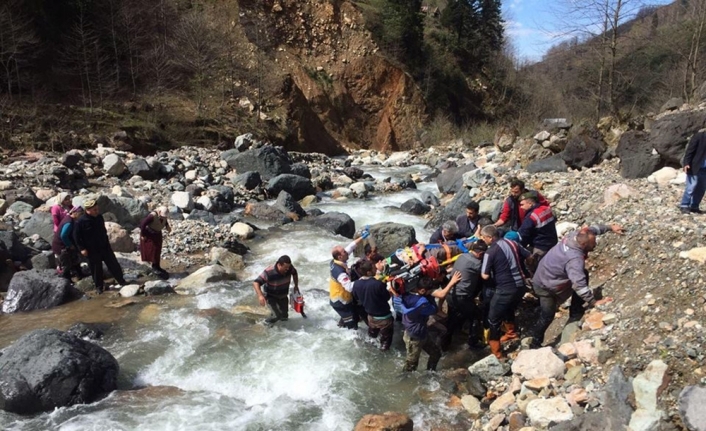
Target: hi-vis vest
[(336, 290)]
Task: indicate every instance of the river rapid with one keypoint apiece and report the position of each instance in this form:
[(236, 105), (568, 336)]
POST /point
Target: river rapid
[(212, 365)]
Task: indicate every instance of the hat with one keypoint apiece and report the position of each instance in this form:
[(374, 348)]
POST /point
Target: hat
[(90, 203), (76, 209), (513, 236), (529, 195)]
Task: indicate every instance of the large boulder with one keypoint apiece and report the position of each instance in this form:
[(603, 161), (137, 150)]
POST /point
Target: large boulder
[(10, 242), (488, 368), (227, 259), (539, 363), (26, 195), (450, 211), (415, 206), (40, 224), (583, 151), (248, 180), (36, 289), (286, 203), (119, 238), (269, 161), (263, 211), (553, 163), (691, 407), (337, 223), (47, 369), (451, 180), (670, 134), (141, 168), (128, 212), (198, 282), (544, 412), (113, 165), (388, 421), (295, 185), (638, 158), (301, 169), (389, 237)]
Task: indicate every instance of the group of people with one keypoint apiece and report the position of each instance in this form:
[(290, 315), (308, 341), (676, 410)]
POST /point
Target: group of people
[(79, 231), (486, 269)]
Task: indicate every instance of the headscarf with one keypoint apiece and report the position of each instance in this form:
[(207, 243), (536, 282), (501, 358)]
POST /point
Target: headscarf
[(162, 211), (60, 197), (76, 209)]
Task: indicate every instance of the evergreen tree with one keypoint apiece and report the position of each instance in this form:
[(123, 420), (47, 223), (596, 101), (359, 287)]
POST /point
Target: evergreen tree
[(404, 30)]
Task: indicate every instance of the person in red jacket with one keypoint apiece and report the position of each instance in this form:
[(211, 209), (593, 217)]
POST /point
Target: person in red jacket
[(512, 216)]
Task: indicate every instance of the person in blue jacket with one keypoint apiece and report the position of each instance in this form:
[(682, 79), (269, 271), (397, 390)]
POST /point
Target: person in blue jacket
[(417, 305)]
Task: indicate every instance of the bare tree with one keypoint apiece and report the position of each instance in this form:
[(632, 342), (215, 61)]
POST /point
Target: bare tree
[(17, 41)]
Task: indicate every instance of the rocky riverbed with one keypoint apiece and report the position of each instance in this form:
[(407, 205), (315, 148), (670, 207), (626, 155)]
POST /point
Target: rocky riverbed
[(626, 363)]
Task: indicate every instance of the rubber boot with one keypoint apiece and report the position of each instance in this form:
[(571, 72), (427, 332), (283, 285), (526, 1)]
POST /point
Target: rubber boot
[(496, 348), (510, 334), (486, 335)]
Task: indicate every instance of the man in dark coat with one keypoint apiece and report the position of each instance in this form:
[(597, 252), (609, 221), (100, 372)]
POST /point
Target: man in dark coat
[(694, 164), (91, 237)]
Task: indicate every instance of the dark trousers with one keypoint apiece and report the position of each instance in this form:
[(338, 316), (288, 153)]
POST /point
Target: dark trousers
[(95, 264), (70, 263), (502, 309), (279, 308), (462, 309), (382, 327), (349, 314), (414, 350)]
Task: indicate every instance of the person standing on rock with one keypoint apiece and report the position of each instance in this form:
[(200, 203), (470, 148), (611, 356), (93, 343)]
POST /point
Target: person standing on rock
[(416, 305), (374, 296), (562, 274), (512, 216), (462, 298), (503, 264), (272, 288), (694, 163), (61, 209), (91, 237), (151, 238), (341, 285), (447, 232), (468, 222), (538, 230), (64, 247)]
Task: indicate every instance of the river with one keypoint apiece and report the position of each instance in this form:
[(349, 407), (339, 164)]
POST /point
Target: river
[(218, 368)]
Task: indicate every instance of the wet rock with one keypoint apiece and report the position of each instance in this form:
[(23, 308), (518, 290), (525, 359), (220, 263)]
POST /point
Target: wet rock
[(297, 186), (44, 260), (242, 230), (472, 406), (415, 206), (430, 198), (451, 180), (129, 290), (263, 211), (46, 369), (90, 331), (33, 290), (288, 205), (197, 282), (532, 364), (475, 386), (337, 223), (40, 224), (391, 236), (488, 368), (388, 421), (113, 165), (158, 287), (230, 261), (545, 412), (692, 400)]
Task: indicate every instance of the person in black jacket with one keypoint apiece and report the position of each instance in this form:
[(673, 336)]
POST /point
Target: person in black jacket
[(447, 232), (91, 238), (694, 163), (373, 295)]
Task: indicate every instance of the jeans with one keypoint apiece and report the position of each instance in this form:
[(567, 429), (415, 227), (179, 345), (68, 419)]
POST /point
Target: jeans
[(414, 349), (502, 309), (694, 191), (279, 308)]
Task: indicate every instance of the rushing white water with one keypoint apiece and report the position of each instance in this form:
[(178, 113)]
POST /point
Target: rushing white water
[(234, 373)]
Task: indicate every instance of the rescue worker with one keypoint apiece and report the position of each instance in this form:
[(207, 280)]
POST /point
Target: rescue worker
[(417, 304), (503, 263), (562, 274), (272, 288), (341, 285), (91, 238), (511, 215), (374, 296), (538, 230)]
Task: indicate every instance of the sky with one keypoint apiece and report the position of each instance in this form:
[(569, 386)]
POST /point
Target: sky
[(534, 26)]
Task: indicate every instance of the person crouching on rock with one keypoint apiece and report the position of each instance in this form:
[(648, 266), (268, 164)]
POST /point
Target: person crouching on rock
[(64, 247), (91, 238), (272, 288), (151, 238), (417, 304), (341, 285)]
